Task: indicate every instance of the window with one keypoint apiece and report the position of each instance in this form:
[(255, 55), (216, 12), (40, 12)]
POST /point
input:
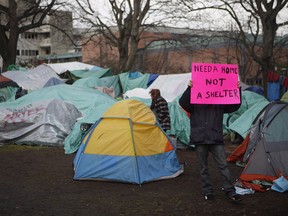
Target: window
[(29, 35), (258, 82)]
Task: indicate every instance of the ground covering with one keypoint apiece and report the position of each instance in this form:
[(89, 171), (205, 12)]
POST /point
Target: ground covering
[(38, 181)]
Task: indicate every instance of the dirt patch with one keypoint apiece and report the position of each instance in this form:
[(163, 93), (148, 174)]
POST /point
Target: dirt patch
[(38, 181)]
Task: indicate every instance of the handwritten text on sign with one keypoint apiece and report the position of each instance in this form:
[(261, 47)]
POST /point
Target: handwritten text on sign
[(215, 84)]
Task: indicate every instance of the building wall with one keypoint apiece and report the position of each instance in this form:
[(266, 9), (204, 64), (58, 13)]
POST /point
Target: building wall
[(98, 52), (60, 42), (46, 40), (171, 60), (159, 59)]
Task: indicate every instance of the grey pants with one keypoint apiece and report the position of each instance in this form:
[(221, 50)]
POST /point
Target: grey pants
[(219, 157)]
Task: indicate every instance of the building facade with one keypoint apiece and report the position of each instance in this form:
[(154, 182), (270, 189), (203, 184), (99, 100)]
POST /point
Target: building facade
[(50, 44), (56, 41), (165, 50)]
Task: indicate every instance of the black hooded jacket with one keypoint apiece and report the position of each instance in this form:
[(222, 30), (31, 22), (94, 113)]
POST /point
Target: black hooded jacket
[(206, 120)]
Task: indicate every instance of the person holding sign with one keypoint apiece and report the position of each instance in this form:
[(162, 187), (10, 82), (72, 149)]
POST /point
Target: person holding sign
[(160, 107), (206, 121)]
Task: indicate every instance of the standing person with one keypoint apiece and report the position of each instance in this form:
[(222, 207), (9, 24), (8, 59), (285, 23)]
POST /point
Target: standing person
[(160, 107), (206, 121)]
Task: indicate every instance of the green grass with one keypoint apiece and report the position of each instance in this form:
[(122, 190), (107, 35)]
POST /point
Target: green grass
[(14, 147)]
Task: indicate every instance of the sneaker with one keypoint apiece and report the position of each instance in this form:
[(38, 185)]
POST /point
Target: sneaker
[(234, 197), (209, 197)]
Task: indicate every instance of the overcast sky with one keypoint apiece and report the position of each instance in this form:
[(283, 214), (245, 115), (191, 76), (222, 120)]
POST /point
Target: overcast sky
[(209, 19)]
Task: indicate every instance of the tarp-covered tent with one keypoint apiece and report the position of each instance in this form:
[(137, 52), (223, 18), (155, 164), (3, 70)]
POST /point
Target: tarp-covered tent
[(78, 74), (126, 145), (170, 86), (5, 82), (152, 78), (241, 120), (256, 89), (85, 99), (273, 91), (8, 89), (32, 79), (73, 140), (110, 82), (64, 69), (7, 94), (131, 80), (53, 81), (61, 68), (46, 122), (266, 146)]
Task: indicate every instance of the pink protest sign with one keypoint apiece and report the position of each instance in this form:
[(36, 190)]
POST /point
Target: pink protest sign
[(215, 84)]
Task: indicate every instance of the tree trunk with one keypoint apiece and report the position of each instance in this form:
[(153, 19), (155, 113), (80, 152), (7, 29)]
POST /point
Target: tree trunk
[(123, 54), (9, 51), (269, 27), (132, 53)]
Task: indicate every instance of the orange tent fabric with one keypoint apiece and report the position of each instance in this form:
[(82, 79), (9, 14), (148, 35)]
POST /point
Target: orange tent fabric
[(238, 153)]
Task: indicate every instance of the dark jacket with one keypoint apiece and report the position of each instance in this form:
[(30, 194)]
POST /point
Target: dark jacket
[(206, 120)]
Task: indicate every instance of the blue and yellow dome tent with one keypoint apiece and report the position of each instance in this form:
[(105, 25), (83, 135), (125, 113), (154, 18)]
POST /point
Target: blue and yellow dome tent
[(126, 145)]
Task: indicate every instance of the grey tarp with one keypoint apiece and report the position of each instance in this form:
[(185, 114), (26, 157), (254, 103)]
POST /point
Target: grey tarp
[(46, 122), (32, 79), (85, 99)]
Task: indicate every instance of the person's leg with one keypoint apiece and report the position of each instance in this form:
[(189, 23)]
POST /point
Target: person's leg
[(202, 152), (219, 157)]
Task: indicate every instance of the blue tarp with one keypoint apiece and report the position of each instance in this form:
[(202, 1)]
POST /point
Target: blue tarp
[(273, 91)]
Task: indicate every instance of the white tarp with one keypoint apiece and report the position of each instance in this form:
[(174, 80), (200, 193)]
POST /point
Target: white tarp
[(138, 92), (46, 122), (171, 86), (32, 79), (60, 68)]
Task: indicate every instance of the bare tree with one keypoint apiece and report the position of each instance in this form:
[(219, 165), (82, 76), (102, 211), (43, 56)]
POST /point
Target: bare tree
[(17, 17), (122, 30), (257, 23)]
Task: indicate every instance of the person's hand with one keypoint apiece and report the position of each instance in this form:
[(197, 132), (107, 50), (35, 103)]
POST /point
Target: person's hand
[(190, 83)]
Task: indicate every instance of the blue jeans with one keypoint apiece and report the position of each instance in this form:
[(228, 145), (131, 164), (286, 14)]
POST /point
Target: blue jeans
[(219, 157)]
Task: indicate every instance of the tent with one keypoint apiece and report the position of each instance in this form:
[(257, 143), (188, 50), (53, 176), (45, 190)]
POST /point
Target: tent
[(126, 145), (8, 89), (84, 99), (62, 67), (32, 79), (265, 149), (242, 119), (43, 122), (109, 82), (180, 122), (256, 89), (93, 72), (285, 97), (5, 82), (171, 87), (131, 80), (53, 81)]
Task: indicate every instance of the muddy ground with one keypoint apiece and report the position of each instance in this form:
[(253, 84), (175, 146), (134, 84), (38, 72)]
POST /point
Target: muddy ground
[(38, 181)]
